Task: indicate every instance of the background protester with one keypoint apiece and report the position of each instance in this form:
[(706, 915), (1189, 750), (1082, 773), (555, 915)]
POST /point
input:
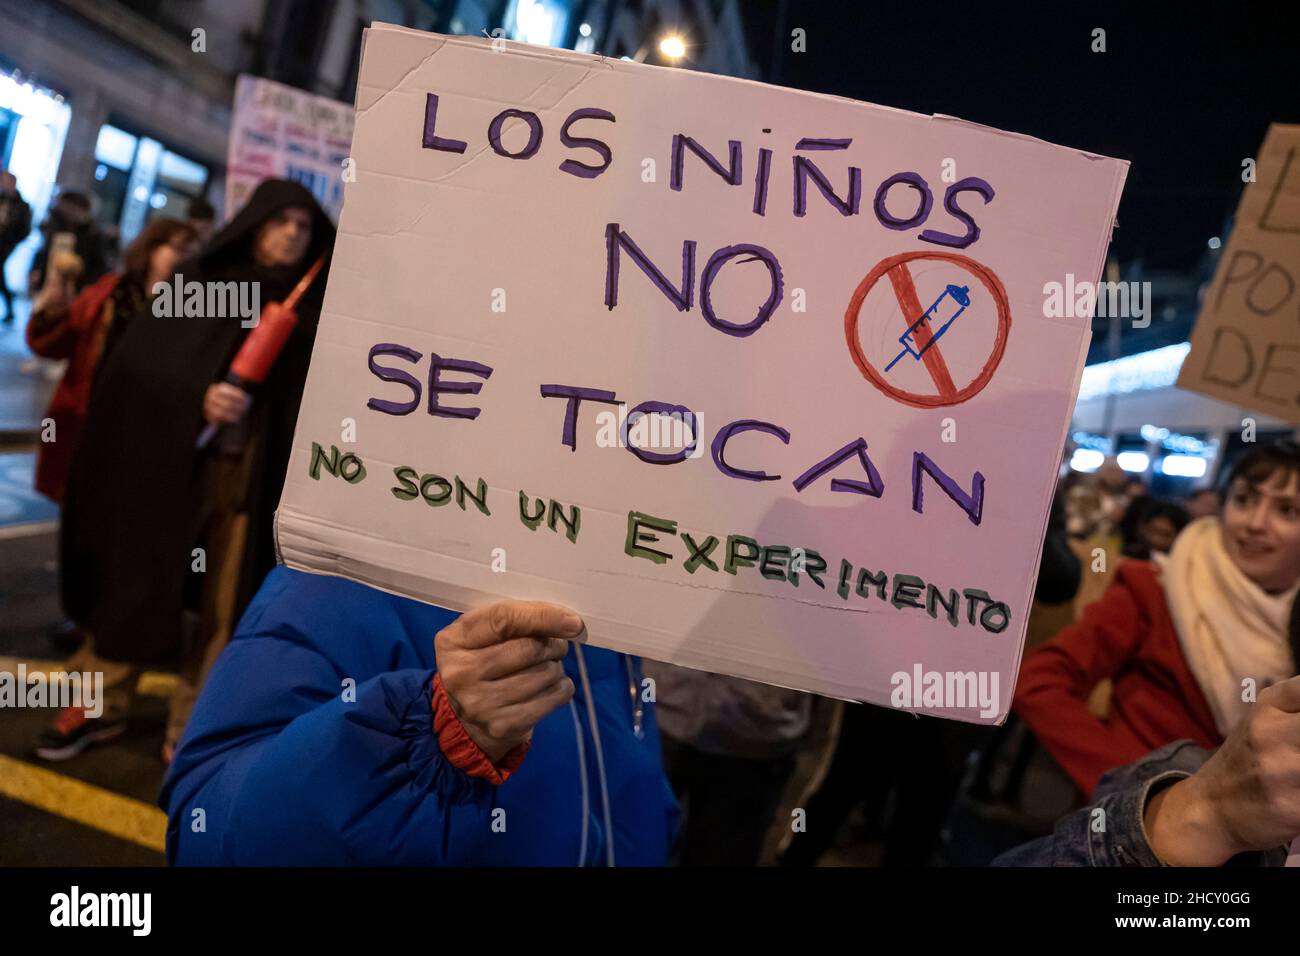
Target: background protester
[(729, 750), (482, 739), (1059, 569), (15, 224), (1178, 637), (73, 247), (1203, 503), (85, 331), (110, 237), (163, 544), (271, 243), (1132, 544), (202, 217), (903, 768), (1059, 576), (1150, 527), (1095, 505), (1095, 508)]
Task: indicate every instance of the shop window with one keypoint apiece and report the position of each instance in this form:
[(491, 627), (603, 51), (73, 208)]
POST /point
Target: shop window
[(115, 147), (138, 179)]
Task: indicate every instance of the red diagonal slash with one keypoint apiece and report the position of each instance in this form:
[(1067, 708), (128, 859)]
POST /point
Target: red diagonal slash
[(905, 291)]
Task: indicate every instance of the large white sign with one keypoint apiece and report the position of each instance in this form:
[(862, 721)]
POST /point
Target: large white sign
[(758, 381)]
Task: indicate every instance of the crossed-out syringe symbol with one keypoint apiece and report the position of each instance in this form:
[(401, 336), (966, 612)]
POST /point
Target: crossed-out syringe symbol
[(960, 295)]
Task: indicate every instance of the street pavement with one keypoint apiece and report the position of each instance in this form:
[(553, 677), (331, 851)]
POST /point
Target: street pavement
[(99, 808), (26, 382)]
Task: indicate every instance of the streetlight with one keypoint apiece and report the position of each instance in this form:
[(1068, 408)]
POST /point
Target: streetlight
[(672, 47)]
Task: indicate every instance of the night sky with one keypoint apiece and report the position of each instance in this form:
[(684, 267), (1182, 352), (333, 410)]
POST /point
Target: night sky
[(1184, 99)]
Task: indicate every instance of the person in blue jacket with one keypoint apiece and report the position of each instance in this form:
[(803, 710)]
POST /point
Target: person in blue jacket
[(344, 725)]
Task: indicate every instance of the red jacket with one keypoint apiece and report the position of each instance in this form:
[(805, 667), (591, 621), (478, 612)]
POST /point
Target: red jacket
[(77, 336), (1129, 637)]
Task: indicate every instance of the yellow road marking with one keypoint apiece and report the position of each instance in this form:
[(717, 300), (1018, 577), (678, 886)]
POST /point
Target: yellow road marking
[(28, 530), (124, 817), (149, 684), (83, 803), (154, 684)]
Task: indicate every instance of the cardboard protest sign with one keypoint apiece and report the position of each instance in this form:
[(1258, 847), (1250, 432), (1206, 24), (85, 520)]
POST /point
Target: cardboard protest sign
[(1246, 344), (282, 132), (758, 381)]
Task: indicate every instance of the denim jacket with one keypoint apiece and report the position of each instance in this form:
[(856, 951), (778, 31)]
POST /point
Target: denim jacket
[(1122, 795)]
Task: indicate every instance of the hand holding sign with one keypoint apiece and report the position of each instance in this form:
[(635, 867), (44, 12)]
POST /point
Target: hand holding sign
[(502, 669)]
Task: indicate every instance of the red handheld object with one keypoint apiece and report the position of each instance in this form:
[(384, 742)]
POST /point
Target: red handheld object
[(263, 345)]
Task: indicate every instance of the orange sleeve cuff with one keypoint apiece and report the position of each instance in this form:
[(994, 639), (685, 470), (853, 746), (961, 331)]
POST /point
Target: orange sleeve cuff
[(459, 748)]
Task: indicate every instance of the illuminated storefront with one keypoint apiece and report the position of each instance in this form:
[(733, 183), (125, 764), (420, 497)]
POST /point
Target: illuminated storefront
[(138, 178), (33, 127), (1174, 440)]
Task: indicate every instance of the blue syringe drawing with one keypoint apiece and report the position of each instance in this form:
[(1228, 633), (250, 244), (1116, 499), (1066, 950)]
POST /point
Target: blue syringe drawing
[(959, 295)]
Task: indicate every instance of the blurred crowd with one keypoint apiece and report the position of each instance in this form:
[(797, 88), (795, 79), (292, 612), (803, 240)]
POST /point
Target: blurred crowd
[(162, 540)]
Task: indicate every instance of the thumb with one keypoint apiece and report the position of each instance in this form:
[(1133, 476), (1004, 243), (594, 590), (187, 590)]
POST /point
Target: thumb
[(505, 620), (1284, 695)]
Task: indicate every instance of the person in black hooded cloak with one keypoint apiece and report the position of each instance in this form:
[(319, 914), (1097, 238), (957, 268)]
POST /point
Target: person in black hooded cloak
[(163, 543)]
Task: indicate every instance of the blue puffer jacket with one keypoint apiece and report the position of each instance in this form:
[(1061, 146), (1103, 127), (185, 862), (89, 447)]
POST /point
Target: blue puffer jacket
[(286, 771)]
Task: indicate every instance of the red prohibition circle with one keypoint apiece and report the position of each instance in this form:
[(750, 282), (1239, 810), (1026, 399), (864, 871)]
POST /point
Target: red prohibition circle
[(896, 268)]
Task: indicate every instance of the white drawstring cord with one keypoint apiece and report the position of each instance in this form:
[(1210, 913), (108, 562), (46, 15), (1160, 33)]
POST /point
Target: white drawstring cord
[(600, 755), (582, 774)]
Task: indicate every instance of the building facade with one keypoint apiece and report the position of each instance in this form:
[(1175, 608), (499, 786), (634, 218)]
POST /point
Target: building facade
[(130, 100)]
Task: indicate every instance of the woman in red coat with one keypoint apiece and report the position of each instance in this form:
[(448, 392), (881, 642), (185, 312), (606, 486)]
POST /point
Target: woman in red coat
[(84, 329), (1188, 640)]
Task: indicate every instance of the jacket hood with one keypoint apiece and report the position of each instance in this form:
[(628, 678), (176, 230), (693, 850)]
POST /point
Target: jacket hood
[(234, 241)]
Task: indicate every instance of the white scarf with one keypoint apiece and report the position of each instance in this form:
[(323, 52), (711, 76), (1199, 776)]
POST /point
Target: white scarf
[(1229, 627)]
